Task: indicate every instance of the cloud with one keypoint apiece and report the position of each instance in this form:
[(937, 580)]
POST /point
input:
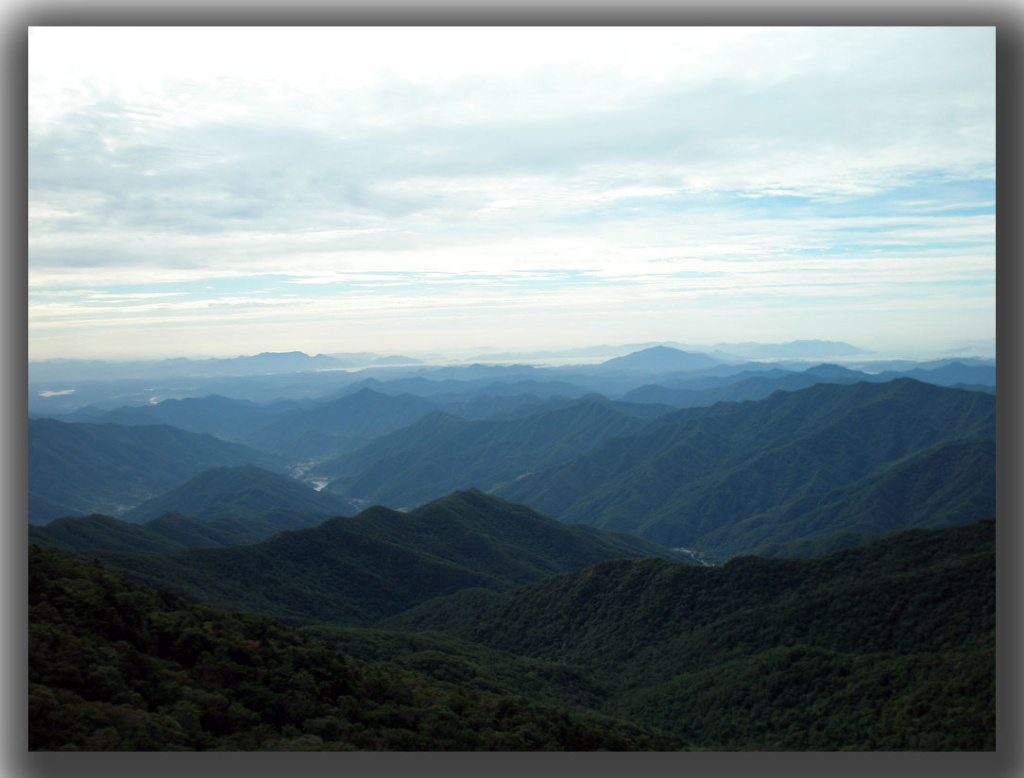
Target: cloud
[(401, 160)]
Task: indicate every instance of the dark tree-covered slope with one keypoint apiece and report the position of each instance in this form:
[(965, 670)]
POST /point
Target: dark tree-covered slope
[(887, 645), (354, 571), (690, 477), (742, 386), (116, 666), (83, 533), (884, 646), (918, 590), (931, 488), (166, 534)]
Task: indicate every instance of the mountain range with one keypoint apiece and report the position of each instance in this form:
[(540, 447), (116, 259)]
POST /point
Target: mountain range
[(768, 653), (669, 550), (688, 392), (442, 452), (794, 473), (726, 479), (353, 571), (66, 386), (78, 469), (257, 364), (732, 548), (887, 646), (117, 666), (243, 491), (222, 506)]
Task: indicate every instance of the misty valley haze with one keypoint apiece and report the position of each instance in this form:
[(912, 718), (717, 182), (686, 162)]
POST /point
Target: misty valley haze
[(442, 500), (526, 388)]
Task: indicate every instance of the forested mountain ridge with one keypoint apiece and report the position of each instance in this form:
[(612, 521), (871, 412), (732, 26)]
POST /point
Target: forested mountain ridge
[(474, 622), (886, 645), (83, 533), (685, 391), (116, 666), (792, 473), (291, 430), (245, 490), (442, 452), (951, 480), (612, 613), (165, 534), (690, 474), (222, 506), (78, 469), (342, 424), (354, 571)]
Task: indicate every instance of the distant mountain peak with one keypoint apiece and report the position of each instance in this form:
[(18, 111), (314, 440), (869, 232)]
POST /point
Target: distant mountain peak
[(366, 391), (281, 354), (829, 370), (660, 359)]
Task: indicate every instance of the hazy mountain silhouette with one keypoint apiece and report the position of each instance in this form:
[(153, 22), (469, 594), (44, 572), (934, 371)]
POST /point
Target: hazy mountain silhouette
[(442, 452), (108, 468), (241, 491)]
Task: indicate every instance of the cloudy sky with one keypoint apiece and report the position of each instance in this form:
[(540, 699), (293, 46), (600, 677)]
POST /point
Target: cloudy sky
[(219, 191)]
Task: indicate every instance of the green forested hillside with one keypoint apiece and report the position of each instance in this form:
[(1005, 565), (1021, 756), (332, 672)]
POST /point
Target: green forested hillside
[(887, 645), (354, 571), (689, 478), (225, 506), (165, 534), (228, 531), (292, 430), (108, 468), (931, 488), (443, 452), (916, 590), (429, 431), (116, 666), (82, 533), (472, 622)]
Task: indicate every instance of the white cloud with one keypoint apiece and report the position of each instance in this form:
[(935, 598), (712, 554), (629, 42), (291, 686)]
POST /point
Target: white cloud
[(379, 159)]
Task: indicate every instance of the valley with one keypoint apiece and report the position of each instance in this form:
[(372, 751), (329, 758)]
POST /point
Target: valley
[(655, 559), (543, 386)]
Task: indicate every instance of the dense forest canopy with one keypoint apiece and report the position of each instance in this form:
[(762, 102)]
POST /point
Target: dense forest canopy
[(883, 646), (708, 556)]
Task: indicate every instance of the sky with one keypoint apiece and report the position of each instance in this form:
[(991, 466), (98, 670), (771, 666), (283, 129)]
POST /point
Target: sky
[(222, 191)]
